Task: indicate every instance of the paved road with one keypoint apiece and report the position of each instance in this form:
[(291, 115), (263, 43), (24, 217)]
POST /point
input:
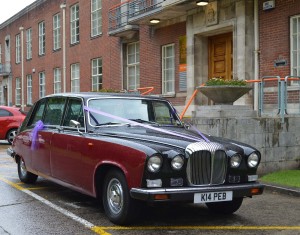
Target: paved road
[(46, 208)]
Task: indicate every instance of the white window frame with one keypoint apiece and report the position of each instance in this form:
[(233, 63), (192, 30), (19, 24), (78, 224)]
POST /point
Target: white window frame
[(29, 44), (42, 38), (18, 48), (75, 77), (295, 47), (168, 73), (74, 23), (42, 84), (96, 74), (29, 89), (133, 64), (56, 32), (57, 80), (96, 17), (18, 91)]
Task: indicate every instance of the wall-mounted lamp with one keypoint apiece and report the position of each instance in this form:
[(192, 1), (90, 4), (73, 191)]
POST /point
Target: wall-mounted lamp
[(154, 21), (201, 3)]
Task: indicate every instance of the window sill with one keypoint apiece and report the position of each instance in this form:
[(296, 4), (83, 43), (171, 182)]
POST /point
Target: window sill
[(169, 95)]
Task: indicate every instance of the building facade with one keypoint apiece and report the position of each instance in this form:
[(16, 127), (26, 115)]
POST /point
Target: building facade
[(66, 46), (279, 51)]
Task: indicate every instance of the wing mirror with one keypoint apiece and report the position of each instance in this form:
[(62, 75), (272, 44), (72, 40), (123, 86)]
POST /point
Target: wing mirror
[(76, 124)]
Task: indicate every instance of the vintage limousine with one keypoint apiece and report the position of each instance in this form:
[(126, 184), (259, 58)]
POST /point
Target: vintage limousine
[(127, 150)]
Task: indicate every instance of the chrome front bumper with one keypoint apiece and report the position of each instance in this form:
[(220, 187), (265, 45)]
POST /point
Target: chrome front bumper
[(187, 193)]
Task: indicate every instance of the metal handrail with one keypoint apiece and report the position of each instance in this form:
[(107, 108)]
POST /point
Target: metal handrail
[(118, 15), (138, 7), (261, 91)]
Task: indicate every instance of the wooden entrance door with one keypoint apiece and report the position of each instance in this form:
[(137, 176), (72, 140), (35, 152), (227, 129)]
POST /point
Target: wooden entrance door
[(220, 56)]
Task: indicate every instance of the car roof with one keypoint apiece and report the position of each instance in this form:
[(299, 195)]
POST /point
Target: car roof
[(88, 95), (14, 110)]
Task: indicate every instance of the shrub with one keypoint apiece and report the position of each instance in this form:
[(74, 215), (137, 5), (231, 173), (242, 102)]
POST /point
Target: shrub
[(225, 82)]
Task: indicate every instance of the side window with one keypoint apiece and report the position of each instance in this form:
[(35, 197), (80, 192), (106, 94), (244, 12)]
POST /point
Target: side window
[(74, 112), (37, 113), (162, 113), (54, 111), (4, 113)]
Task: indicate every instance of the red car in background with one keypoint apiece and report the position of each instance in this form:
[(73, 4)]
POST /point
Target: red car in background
[(10, 120)]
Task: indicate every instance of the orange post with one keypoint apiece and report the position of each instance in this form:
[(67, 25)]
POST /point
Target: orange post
[(189, 103)]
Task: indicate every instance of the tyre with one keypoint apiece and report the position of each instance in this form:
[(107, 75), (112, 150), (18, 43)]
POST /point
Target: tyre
[(225, 207), (11, 135), (24, 175), (119, 207)]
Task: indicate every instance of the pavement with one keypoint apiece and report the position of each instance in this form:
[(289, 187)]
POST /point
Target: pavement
[(292, 191)]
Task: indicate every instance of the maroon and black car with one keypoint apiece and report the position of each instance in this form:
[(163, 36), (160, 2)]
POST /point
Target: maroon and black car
[(128, 149)]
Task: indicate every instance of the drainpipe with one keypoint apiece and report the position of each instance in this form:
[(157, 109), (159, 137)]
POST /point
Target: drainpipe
[(256, 54), (63, 7), (22, 68)]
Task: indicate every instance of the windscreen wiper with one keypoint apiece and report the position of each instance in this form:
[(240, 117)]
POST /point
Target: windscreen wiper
[(144, 121), (109, 123)]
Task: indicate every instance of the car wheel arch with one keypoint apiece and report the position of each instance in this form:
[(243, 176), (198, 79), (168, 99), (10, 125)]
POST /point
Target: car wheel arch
[(100, 173)]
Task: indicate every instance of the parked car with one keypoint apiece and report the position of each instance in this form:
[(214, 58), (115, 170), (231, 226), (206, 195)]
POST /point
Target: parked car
[(128, 150), (10, 120)]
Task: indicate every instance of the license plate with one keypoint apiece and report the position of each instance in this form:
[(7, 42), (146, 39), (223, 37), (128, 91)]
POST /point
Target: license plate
[(213, 197)]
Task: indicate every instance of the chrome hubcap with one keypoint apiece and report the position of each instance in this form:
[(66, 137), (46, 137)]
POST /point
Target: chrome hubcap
[(11, 136), (23, 167), (115, 196)]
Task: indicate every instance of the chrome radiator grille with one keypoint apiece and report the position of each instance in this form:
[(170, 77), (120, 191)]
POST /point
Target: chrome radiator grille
[(207, 164)]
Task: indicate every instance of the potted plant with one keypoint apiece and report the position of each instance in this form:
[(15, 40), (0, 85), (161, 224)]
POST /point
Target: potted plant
[(223, 91)]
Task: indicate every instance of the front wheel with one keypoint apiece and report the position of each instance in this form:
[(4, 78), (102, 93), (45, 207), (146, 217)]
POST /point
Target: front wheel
[(225, 207), (24, 175), (119, 207)]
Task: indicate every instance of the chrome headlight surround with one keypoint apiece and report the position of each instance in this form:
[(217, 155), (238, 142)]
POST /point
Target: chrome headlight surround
[(154, 163), (253, 160), (235, 161), (177, 162)]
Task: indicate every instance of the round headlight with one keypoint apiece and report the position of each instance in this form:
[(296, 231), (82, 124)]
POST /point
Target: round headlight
[(235, 161), (177, 162), (253, 160), (154, 163)]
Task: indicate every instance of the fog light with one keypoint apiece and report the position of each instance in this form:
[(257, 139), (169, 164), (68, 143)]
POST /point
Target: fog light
[(252, 177), (161, 197), (176, 182), (255, 191), (233, 179), (154, 183)]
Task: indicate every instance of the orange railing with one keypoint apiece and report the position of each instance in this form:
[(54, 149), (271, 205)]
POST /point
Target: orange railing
[(148, 90)]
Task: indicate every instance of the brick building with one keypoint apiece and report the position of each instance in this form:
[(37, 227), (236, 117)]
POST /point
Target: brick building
[(62, 46), (279, 51)]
